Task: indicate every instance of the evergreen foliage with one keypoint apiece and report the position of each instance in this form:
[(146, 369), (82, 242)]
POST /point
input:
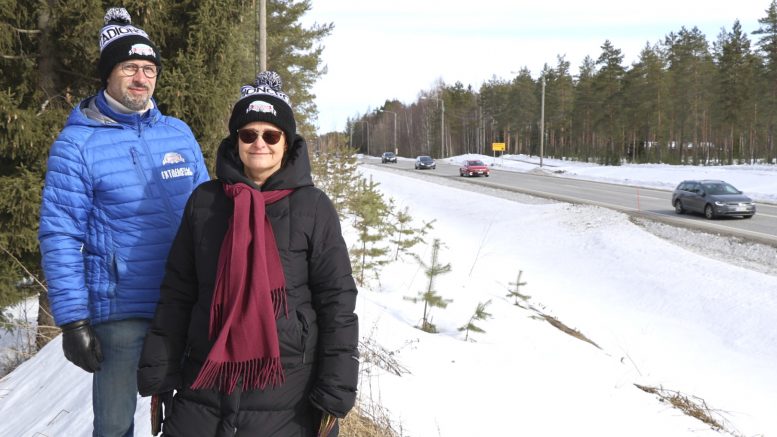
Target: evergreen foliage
[(429, 297), (336, 173), (370, 215), (480, 314), (737, 103), (403, 235), (296, 51), (767, 45), (515, 292)]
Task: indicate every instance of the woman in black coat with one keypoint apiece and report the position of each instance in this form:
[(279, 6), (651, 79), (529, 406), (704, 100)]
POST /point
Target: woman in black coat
[(255, 328)]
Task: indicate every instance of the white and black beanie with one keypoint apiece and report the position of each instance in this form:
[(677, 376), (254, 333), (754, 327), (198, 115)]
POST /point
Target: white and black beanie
[(120, 41), (264, 101)]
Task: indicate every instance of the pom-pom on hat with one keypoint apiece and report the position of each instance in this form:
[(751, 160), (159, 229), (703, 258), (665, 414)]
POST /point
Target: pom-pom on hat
[(264, 101), (120, 41)]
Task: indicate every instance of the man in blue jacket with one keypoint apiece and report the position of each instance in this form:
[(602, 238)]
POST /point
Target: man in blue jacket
[(118, 177)]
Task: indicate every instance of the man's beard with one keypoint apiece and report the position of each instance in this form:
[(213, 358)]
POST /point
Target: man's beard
[(138, 103)]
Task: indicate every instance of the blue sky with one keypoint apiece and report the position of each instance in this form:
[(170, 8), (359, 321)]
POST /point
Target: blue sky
[(395, 50)]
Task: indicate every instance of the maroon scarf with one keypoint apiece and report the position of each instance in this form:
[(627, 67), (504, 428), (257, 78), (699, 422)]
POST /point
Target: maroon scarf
[(248, 298)]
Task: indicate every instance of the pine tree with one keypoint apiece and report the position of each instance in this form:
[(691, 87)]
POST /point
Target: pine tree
[(584, 109), (295, 51), (403, 235), (429, 296), (33, 107), (479, 315), (608, 91), (559, 99), (646, 88), (737, 72), (767, 44), (336, 173), (516, 291), (370, 214), (691, 82), (525, 107)]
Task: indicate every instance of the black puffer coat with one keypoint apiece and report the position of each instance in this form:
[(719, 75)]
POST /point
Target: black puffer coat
[(318, 341)]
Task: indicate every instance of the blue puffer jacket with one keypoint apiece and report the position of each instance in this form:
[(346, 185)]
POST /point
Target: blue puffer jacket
[(116, 186)]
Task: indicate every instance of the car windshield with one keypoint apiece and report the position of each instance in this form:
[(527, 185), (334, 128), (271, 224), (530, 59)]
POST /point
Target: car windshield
[(425, 159), (388, 154), (720, 188), (475, 163)]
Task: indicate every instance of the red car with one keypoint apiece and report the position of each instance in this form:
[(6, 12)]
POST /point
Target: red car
[(473, 167)]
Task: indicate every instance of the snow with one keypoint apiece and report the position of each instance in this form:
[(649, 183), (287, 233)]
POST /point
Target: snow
[(665, 312)]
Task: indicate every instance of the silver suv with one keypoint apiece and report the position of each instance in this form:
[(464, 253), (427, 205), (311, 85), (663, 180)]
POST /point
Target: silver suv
[(712, 198)]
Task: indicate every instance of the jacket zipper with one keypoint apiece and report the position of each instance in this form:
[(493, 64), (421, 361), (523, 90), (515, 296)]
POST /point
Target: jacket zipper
[(138, 166), (237, 404), (162, 192)]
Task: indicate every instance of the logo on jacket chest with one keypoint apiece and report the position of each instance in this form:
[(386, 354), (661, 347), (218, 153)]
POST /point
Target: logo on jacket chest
[(171, 158), (177, 173)]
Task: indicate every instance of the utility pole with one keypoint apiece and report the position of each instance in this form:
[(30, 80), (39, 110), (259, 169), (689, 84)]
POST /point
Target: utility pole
[(262, 35), (442, 124), (442, 127), (542, 121), (396, 147), (368, 134)]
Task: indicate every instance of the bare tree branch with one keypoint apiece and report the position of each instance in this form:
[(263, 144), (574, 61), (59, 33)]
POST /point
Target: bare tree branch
[(27, 31), (15, 56)]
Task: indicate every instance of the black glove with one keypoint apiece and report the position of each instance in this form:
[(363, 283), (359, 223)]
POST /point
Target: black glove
[(81, 346)]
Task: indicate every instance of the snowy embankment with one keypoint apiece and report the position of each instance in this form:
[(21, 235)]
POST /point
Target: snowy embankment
[(661, 315)]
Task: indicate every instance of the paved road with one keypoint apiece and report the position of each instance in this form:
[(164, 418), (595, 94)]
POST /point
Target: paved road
[(644, 202)]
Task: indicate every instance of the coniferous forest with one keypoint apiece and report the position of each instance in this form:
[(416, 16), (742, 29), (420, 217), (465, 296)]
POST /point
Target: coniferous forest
[(688, 99)]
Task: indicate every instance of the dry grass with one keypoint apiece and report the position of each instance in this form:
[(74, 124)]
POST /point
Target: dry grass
[(693, 406), (567, 330), (369, 418), (359, 423)]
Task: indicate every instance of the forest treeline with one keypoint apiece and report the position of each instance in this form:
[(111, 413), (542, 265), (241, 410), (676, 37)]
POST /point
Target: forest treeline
[(686, 100)]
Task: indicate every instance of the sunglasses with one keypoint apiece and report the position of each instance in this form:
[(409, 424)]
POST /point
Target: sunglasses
[(270, 137)]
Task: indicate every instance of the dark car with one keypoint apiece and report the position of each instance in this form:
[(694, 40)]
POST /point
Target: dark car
[(388, 157), (473, 167), (425, 162), (712, 198)]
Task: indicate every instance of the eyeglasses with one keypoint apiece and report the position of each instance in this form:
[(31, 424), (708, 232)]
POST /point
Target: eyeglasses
[(270, 137), (150, 71)]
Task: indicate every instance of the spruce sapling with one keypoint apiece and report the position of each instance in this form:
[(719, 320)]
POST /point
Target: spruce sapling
[(370, 218), (404, 235), (480, 314), (515, 292), (430, 297)]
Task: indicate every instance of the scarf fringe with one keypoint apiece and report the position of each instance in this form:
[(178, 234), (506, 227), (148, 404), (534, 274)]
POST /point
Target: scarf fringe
[(279, 302), (256, 374)]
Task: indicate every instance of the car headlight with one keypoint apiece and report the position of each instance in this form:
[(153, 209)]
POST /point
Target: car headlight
[(719, 203)]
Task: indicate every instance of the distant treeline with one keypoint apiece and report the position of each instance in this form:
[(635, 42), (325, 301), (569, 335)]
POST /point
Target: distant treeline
[(685, 100)]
